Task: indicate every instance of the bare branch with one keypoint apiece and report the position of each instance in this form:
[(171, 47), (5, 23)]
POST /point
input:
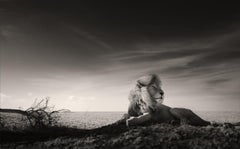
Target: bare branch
[(40, 114)]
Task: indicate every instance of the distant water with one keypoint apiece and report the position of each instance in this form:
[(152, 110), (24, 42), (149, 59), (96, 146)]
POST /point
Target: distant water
[(98, 119)]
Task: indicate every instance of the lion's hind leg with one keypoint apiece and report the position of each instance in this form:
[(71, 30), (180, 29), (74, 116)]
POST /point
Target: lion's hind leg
[(188, 116)]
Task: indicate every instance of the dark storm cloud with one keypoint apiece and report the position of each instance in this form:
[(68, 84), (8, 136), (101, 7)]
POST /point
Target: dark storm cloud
[(133, 19), (76, 32), (223, 55), (217, 81), (213, 62), (224, 51), (86, 33)]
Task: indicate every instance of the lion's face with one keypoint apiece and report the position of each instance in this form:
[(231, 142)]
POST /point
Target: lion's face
[(151, 93)]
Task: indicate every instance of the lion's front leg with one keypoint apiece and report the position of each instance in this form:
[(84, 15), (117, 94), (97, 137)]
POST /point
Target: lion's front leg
[(129, 120), (140, 120)]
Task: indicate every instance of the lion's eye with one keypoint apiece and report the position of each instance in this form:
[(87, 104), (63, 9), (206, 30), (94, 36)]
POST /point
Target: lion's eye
[(154, 87)]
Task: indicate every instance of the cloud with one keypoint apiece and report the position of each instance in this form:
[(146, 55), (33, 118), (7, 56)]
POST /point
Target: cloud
[(151, 56), (100, 50), (217, 81), (29, 93), (216, 57), (222, 56), (2, 96), (71, 97), (87, 98), (91, 37)]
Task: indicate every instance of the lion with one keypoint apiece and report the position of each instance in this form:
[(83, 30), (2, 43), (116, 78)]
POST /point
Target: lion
[(146, 106)]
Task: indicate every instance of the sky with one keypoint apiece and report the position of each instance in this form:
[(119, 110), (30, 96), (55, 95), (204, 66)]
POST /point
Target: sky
[(86, 56)]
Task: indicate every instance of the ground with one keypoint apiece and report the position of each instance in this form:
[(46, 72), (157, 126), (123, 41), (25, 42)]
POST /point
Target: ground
[(153, 136)]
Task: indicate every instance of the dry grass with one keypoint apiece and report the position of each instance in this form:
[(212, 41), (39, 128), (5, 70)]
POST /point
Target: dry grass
[(155, 136)]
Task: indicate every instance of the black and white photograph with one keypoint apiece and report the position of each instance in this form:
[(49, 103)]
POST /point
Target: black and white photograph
[(91, 74)]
